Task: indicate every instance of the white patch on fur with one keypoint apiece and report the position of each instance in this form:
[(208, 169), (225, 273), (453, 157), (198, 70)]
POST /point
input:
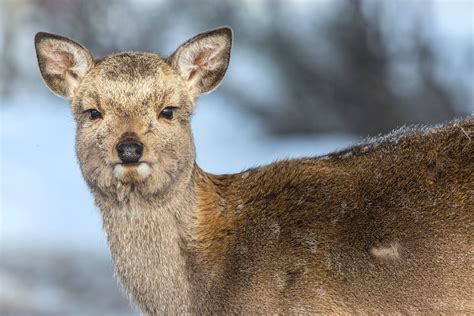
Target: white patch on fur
[(119, 171), (347, 155), (311, 243), (275, 230), (279, 280), (466, 133), (144, 170), (386, 253)]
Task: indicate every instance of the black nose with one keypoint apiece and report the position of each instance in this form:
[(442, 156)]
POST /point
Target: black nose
[(129, 152)]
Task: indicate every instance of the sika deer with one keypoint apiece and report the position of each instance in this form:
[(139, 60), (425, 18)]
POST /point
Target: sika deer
[(382, 227)]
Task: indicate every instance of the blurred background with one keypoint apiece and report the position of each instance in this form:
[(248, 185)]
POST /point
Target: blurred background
[(306, 77)]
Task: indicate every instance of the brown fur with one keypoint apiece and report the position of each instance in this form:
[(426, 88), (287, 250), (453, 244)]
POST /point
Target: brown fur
[(382, 227)]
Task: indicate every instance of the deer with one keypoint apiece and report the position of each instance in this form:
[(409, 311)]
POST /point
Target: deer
[(383, 226)]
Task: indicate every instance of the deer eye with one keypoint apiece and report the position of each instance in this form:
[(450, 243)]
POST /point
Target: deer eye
[(167, 112), (94, 114)]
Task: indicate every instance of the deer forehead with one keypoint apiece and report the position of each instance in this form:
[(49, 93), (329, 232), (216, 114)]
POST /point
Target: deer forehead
[(129, 66), (125, 81)]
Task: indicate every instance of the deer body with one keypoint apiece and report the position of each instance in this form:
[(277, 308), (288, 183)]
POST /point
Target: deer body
[(367, 229), (381, 227)]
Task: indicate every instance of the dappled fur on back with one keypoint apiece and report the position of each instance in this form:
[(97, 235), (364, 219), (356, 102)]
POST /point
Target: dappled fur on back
[(381, 227)]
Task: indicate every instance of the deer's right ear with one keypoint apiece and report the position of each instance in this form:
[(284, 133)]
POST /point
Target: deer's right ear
[(63, 63)]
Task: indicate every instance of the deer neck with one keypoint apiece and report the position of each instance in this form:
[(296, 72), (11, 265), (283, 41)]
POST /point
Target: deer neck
[(149, 240)]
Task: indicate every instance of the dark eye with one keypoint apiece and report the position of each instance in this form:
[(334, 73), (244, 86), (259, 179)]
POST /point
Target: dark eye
[(95, 114), (167, 113)]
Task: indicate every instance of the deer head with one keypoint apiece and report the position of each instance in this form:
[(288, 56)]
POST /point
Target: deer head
[(133, 110)]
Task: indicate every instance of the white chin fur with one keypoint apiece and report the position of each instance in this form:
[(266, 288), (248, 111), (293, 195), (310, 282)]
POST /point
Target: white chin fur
[(119, 171), (143, 170)]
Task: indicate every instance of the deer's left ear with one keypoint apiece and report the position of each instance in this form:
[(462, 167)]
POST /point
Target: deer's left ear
[(203, 60)]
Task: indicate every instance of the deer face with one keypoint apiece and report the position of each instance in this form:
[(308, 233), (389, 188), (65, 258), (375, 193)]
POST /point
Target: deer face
[(133, 110)]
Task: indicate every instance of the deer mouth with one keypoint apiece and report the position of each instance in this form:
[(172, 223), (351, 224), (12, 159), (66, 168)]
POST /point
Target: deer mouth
[(131, 164), (140, 169)]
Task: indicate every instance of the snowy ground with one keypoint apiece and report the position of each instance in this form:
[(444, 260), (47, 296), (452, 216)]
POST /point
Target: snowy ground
[(54, 257), (43, 282)]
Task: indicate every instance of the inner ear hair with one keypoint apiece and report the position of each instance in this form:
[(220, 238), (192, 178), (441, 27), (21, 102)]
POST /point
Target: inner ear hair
[(203, 60), (63, 63)]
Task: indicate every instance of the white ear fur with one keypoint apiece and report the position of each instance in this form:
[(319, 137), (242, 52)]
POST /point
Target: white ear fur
[(63, 63), (203, 60)]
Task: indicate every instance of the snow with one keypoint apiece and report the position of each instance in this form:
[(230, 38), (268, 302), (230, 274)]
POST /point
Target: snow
[(44, 200)]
